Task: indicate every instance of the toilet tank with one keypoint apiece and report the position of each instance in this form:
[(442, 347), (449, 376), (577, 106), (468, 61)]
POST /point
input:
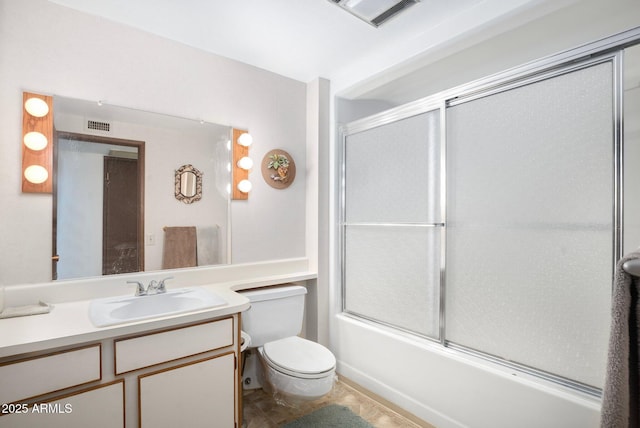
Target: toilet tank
[(275, 313)]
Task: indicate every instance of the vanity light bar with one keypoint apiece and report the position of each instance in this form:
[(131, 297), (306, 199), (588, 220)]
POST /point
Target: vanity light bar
[(241, 164), (37, 143)]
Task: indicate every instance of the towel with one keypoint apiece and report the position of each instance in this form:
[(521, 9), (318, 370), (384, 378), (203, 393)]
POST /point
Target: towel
[(21, 311), (179, 247), (208, 245), (620, 395)]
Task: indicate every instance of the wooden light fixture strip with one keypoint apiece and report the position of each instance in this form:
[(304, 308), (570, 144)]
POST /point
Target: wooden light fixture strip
[(43, 157), (239, 174)]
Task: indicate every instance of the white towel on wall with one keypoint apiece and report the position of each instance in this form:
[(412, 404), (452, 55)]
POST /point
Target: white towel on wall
[(208, 253)]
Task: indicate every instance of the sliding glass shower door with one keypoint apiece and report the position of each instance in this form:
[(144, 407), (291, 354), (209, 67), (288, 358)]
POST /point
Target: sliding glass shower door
[(392, 225), (514, 261), (530, 241)]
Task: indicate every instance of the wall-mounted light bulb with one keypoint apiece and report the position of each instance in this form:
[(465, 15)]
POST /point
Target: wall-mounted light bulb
[(245, 163), (245, 139), (245, 186), (36, 174), (35, 140), (36, 107)]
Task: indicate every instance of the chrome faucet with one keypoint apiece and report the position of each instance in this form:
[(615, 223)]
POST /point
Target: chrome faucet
[(157, 287), (154, 287), (140, 291)]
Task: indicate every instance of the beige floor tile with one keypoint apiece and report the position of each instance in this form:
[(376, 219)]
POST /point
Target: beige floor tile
[(262, 411)]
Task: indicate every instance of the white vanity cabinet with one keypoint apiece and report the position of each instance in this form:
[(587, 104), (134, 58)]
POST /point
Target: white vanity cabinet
[(197, 395), (186, 376), (24, 379), (182, 375), (97, 407)]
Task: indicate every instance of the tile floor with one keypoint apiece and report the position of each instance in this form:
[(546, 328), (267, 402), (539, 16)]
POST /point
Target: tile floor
[(261, 410)]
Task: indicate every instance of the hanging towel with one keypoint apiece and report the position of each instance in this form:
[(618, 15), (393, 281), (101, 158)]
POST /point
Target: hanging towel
[(621, 392), (208, 245), (179, 247)]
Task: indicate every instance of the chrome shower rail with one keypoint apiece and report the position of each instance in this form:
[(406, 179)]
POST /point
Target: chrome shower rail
[(632, 267)]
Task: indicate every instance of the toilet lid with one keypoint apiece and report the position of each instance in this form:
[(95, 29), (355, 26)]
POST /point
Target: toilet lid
[(300, 355)]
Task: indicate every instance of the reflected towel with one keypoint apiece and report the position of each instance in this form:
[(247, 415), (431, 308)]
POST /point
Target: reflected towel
[(179, 247), (208, 245), (621, 392)]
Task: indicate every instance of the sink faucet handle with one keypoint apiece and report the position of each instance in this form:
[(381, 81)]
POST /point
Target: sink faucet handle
[(152, 288), (161, 286), (140, 291)]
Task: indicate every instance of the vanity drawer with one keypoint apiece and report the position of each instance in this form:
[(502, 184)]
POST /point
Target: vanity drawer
[(151, 349), (31, 377), (100, 406)]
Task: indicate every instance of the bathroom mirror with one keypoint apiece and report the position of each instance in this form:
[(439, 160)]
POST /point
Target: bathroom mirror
[(188, 186), (161, 150)]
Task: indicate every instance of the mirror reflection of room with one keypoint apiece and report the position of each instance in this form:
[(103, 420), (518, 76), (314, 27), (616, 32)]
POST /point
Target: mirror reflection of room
[(98, 196), (115, 175)]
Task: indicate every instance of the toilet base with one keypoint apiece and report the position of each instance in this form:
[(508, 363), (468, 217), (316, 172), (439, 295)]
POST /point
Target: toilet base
[(293, 391)]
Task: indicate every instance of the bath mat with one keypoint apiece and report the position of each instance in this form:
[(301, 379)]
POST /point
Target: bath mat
[(330, 416)]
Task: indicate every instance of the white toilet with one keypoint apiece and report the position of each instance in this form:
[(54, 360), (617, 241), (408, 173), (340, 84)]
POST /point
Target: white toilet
[(290, 366)]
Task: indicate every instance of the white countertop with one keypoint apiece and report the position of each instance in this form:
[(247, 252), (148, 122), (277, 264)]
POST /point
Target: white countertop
[(68, 323)]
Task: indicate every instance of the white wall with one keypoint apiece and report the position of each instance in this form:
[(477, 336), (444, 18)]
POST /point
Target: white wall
[(46, 48), (437, 384)]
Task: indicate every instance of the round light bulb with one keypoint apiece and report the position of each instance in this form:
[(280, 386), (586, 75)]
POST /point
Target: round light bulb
[(245, 186), (35, 140), (245, 163), (36, 174), (36, 107), (245, 139)]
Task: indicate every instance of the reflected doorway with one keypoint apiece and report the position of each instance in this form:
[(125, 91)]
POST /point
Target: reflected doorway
[(98, 217), (120, 246)]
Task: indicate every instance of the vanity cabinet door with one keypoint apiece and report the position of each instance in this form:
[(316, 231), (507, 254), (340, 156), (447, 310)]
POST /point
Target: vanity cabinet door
[(194, 395), (99, 407)]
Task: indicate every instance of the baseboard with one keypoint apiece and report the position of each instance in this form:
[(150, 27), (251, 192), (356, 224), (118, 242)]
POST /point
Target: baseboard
[(402, 412)]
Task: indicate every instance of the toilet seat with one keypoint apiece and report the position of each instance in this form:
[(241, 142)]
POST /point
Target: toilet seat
[(299, 357)]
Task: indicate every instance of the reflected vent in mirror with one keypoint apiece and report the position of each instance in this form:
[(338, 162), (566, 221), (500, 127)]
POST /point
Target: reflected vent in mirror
[(375, 12), (96, 125)]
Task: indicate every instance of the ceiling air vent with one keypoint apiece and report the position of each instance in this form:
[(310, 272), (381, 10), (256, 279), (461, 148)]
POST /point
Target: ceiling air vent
[(96, 125), (375, 12)]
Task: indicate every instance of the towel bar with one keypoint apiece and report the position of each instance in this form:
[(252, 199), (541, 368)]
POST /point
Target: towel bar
[(632, 267)]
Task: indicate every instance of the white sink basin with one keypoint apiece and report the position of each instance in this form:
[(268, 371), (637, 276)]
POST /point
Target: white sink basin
[(119, 310)]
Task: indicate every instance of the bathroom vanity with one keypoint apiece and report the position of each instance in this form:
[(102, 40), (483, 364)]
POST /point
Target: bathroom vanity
[(60, 370), (176, 371), (183, 375)]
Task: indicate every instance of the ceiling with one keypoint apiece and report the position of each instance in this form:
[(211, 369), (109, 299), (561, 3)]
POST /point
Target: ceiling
[(306, 39)]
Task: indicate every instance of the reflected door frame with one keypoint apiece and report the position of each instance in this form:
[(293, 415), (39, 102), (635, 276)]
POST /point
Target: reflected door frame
[(140, 145)]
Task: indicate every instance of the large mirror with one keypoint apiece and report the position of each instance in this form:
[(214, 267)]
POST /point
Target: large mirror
[(114, 190)]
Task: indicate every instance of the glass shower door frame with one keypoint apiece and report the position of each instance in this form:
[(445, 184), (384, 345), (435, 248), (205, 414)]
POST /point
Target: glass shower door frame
[(605, 50), (404, 112)]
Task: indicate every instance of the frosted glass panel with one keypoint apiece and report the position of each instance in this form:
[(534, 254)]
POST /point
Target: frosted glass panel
[(631, 149), (392, 274), (392, 172), (530, 223)]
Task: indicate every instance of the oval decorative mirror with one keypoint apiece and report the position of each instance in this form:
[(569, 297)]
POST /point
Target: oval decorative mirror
[(188, 184)]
